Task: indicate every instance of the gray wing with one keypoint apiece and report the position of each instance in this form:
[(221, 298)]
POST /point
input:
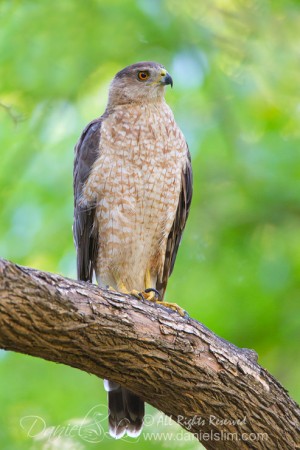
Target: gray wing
[(178, 226), (84, 232)]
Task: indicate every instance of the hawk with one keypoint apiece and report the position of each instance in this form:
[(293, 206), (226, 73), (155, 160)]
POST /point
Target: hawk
[(132, 195)]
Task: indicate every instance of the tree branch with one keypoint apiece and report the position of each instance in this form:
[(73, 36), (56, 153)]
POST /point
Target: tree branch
[(206, 384)]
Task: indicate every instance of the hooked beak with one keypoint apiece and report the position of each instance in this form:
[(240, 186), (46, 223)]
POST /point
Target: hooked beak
[(167, 79)]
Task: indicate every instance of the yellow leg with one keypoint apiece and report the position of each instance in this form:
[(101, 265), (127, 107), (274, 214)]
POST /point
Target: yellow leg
[(134, 292), (147, 279), (152, 295)]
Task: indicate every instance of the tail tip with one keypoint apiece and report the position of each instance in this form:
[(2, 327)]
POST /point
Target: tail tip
[(117, 431), (134, 431)]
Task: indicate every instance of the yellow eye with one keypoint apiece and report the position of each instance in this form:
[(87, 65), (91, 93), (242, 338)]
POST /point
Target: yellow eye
[(143, 75)]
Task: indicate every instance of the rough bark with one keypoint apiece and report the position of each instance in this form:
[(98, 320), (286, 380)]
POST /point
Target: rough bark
[(209, 386)]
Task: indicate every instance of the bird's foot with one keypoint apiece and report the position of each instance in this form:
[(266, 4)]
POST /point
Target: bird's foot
[(151, 294), (148, 294), (154, 296), (173, 306)]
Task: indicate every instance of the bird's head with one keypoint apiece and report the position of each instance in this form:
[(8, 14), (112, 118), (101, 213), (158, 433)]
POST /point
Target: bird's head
[(139, 83)]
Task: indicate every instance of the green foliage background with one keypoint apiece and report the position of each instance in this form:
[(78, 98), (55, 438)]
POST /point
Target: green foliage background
[(235, 66)]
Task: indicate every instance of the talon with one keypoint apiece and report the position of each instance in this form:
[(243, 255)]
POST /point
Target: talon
[(137, 294), (158, 296), (150, 294)]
